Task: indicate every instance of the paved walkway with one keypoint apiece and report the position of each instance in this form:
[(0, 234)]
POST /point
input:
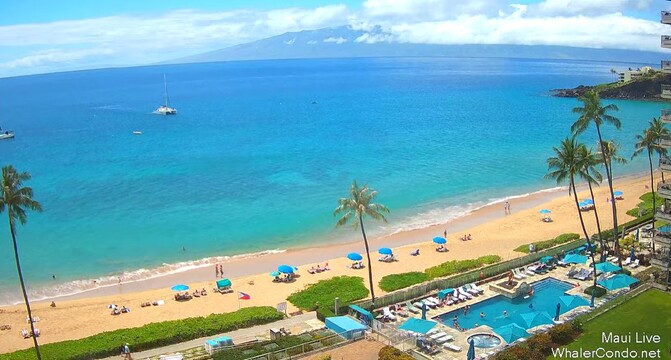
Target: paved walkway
[(306, 321)]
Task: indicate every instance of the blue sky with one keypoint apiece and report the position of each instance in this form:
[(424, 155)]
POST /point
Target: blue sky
[(44, 36)]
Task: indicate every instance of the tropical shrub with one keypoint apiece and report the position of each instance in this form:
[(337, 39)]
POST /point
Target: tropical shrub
[(151, 335), (392, 353), (546, 244), (541, 343), (321, 296), (563, 334), (459, 266), (598, 291), (399, 281)]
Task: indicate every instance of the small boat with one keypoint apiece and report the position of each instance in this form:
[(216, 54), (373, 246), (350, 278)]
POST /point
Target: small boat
[(165, 109), (137, 132), (7, 135)]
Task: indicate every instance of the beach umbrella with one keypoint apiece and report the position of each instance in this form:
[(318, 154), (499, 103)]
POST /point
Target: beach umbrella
[(607, 267), (354, 256), (275, 273), (557, 312), (385, 251), (572, 301), (618, 193), (575, 259), (423, 311), (632, 255), (534, 318), (545, 211), (471, 350), (439, 240), (511, 332), (588, 201), (418, 325), (179, 287), (618, 281), (546, 259), (285, 269)]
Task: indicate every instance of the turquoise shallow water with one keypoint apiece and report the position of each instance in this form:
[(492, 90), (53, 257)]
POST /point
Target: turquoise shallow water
[(260, 151)]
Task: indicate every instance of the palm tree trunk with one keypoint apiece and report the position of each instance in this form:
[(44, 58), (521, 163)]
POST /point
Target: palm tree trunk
[(596, 217), (23, 287), (609, 175), (654, 206), (370, 268), (584, 230)]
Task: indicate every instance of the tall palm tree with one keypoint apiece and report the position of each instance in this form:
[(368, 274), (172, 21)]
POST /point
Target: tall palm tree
[(661, 133), (16, 199), (565, 165), (591, 174), (593, 112), (356, 207), (611, 150)]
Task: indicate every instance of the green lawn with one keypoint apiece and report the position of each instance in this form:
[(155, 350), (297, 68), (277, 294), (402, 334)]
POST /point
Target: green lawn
[(648, 313), (347, 288)]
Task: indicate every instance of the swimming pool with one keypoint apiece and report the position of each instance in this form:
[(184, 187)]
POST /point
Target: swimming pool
[(545, 298)]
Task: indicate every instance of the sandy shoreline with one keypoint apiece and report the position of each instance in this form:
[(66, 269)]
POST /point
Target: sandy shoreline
[(85, 314)]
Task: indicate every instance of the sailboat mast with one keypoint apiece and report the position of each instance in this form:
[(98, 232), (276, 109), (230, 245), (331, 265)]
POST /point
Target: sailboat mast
[(165, 86)]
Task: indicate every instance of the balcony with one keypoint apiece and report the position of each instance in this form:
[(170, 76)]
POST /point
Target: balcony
[(665, 115), (666, 17), (666, 66), (665, 163), (666, 41), (661, 260), (664, 189), (666, 91), (662, 238), (664, 215)]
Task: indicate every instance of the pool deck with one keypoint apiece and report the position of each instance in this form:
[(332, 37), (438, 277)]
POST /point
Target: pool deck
[(559, 273)]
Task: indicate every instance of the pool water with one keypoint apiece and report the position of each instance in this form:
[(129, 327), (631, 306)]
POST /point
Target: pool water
[(484, 340), (545, 298)]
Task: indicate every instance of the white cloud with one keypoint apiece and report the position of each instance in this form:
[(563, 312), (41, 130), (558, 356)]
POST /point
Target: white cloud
[(51, 56), (587, 7), (338, 40), (428, 10)]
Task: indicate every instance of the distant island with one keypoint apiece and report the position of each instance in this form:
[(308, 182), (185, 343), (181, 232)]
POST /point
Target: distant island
[(641, 84)]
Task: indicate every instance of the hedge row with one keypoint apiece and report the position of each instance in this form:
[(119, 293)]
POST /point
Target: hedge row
[(399, 281), (150, 336), (458, 266), (540, 346), (546, 244)]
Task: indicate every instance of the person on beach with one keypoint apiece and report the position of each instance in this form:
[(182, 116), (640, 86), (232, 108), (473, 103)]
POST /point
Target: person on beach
[(216, 270), (445, 233), (506, 208)]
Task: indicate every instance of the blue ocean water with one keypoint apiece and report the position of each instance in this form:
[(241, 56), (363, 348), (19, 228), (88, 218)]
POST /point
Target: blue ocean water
[(260, 152)]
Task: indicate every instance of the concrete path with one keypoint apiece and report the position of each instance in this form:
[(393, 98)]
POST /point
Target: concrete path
[(307, 321)]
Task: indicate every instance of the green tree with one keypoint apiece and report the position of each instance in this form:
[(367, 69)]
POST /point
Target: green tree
[(565, 165), (355, 208), (661, 133), (591, 174), (590, 112), (16, 199)]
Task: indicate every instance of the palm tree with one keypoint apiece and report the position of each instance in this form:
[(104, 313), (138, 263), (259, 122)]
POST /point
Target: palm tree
[(611, 149), (565, 165), (593, 112), (17, 199), (591, 174), (613, 72), (355, 208), (661, 133)]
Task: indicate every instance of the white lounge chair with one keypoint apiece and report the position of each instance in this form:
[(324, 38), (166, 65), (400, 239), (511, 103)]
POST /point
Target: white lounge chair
[(627, 261), (412, 308), (518, 275), (429, 304), (635, 263), (443, 339), (466, 294), (476, 288), (437, 335), (457, 295), (466, 290), (387, 314), (530, 270), (451, 347), (434, 300)]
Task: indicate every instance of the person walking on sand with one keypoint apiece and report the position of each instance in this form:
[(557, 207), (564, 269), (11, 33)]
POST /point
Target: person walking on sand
[(445, 234), (216, 270)]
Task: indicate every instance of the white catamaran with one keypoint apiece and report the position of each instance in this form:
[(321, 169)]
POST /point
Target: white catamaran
[(6, 134), (165, 109)]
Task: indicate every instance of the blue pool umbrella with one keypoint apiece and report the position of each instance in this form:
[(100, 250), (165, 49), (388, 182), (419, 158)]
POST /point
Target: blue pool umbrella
[(557, 312), (545, 211), (607, 267), (385, 251), (582, 204), (575, 259), (275, 273), (179, 287), (354, 256), (511, 332), (546, 259), (618, 193), (471, 350), (572, 301), (442, 294), (418, 325), (588, 201), (618, 281), (534, 318), (439, 240), (632, 255), (423, 311), (285, 269)]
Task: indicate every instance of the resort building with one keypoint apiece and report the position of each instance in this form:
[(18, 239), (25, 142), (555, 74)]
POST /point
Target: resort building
[(662, 255), (629, 75)]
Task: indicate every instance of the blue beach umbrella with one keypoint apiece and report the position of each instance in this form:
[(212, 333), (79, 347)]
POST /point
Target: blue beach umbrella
[(471, 350), (557, 312), (582, 204), (439, 240), (572, 301), (618, 281), (275, 273), (179, 287), (618, 193), (575, 259), (423, 311), (511, 332), (285, 269), (607, 267), (546, 259), (588, 201), (632, 255), (545, 211), (534, 318), (385, 251), (418, 325), (354, 256)]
